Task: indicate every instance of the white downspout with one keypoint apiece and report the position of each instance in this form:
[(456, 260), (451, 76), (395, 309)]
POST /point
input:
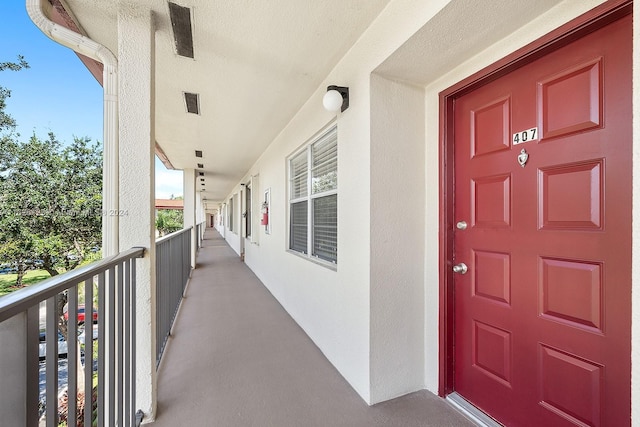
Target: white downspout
[(110, 175)]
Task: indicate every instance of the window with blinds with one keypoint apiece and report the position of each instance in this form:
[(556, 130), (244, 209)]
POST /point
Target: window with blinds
[(298, 233), (313, 199)]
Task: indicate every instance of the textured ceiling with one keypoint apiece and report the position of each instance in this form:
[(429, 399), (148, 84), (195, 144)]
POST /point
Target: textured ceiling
[(255, 63)]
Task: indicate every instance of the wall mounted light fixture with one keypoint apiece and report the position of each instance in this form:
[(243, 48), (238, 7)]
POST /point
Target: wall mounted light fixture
[(336, 98)]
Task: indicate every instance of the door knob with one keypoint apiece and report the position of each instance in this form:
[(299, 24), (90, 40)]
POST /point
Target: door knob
[(460, 268)]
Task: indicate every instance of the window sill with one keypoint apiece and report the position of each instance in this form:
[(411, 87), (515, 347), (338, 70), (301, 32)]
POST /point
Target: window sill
[(318, 261)]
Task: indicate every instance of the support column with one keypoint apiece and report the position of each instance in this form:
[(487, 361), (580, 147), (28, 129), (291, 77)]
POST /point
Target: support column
[(189, 184), (198, 208), (136, 54), (199, 219), (201, 214)]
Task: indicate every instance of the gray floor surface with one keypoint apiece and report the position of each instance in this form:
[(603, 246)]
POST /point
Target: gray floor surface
[(237, 359)]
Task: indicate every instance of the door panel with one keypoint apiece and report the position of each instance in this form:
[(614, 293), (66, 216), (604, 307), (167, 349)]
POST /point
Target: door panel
[(543, 316)]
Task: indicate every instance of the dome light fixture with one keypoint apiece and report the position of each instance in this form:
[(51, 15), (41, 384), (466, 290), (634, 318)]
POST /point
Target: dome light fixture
[(336, 98)]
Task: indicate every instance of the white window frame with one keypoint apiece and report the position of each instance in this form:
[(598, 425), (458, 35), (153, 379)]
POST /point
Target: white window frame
[(232, 210), (225, 216), (253, 205), (310, 197)]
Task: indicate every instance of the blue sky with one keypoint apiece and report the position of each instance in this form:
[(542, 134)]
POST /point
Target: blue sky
[(57, 94)]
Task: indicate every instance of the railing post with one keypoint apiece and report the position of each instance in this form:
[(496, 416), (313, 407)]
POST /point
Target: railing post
[(13, 370)]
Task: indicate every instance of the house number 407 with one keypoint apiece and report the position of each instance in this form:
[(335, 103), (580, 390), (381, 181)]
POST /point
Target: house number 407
[(525, 136)]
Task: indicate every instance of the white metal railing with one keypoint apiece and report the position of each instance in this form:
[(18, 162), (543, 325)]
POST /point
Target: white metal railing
[(107, 363)]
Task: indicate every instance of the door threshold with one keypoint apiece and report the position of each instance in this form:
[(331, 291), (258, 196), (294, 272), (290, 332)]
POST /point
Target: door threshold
[(470, 411)]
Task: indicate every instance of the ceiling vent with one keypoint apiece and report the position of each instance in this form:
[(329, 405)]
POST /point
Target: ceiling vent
[(182, 35), (198, 153), (191, 100)]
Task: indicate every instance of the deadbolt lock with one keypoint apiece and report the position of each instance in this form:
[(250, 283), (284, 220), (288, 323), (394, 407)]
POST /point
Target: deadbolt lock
[(461, 225)]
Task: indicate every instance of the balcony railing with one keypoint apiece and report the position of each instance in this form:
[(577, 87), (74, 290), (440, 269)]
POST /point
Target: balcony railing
[(105, 368), (173, 267)]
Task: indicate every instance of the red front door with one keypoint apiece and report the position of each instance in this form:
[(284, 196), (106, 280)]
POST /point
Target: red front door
[(543, 182)]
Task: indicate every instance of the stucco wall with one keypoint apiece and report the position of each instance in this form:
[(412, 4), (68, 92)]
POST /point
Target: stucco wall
[(331, 306), (233, 237), (352, 313), (397, 239)]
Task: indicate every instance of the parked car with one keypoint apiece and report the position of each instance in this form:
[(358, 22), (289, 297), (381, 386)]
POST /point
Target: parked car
[(42, 345), (81, 313), (33, 264), (8, 269)]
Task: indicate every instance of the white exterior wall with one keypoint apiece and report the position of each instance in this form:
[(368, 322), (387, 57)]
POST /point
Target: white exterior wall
[(221, 219), (200, 213), (382, 335), (397, 239), (233, 237)]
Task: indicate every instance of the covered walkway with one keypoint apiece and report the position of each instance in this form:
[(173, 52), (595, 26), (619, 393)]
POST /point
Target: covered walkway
[(236, 358)]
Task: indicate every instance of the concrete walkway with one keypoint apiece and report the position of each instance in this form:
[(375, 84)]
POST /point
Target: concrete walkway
[(237, 359)]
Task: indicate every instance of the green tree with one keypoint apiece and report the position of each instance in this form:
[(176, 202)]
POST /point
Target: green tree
[(169, 221), (51, 203), (50, 198), (7, 123)]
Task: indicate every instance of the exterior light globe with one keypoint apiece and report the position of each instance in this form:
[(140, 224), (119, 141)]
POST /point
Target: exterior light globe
[(332, 101)]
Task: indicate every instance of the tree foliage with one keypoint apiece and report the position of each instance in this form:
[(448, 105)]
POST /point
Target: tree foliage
[(7, 123), (51, 202), (169, 221), (50, 199), (50, 196)]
